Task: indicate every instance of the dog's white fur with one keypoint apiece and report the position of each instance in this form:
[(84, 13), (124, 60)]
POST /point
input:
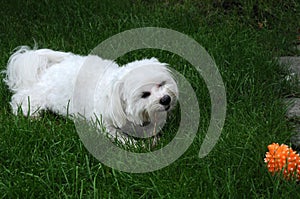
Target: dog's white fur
[(47, 80)]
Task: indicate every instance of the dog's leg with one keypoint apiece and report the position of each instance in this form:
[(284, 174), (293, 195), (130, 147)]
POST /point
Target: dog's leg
[(29, 104), (117, 136)]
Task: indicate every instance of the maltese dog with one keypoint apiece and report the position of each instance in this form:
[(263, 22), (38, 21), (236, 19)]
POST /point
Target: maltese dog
[(132, 101)]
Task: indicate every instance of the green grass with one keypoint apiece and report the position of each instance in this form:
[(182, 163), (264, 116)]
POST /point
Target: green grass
[(45, 158)]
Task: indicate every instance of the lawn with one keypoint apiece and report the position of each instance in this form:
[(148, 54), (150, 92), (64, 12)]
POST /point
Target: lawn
[(45, 158)]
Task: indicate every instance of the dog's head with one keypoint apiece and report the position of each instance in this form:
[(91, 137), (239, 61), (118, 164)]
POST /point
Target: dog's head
[(146, 91)]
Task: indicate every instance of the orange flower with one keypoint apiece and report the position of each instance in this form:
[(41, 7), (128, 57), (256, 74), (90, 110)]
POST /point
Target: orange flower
[(283, 159)]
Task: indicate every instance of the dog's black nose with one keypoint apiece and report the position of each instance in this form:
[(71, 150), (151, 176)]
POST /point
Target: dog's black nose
[(165, 100)]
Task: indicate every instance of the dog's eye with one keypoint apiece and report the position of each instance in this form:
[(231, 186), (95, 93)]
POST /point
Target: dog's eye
[(146, 94), (162, 84)]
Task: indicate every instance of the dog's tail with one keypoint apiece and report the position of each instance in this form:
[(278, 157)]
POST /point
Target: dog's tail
[(25, 66)]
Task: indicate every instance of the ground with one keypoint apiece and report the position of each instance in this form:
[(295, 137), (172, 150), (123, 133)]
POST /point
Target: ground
[(45, 158)]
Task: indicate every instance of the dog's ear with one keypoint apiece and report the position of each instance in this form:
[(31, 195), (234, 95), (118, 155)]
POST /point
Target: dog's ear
[(117, 104)]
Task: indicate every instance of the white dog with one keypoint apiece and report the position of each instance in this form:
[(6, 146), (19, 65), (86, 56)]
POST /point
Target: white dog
[(131, 100)]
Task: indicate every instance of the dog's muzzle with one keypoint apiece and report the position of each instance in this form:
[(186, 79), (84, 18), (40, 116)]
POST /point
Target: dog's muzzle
[(165, 101), (145, 123)]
